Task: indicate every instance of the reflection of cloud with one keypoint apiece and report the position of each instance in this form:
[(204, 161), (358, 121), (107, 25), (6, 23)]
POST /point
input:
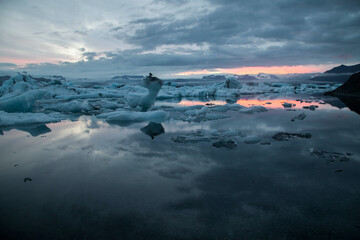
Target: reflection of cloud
[(173, 172), (117, 183), (90, 121), (284, 198)]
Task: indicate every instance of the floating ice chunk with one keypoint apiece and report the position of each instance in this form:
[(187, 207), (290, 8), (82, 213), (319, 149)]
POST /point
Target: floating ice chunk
[(198, 113), (280, 85), (235, 107), (90, 121), (9, 119), (253, 109), (209, 135), (106, 104), (190, 139), (288, 105), (219, 108), (74, 106), (232, 83), (311, 107), (132, 117), (329, 156), (284, 136), (312, 88), (24, 102), (184, 109), (229, 144), (21, 87), (301, 116), (214, 116)]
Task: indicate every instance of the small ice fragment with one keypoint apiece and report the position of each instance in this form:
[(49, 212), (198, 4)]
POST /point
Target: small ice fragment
[(253, 109), (329, 156), (284, 136), (190, 139), (288, 105), (311, 107)]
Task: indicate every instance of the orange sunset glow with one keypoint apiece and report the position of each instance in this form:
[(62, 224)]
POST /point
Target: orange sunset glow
[(259, 69), (271, 103), (21, 62)]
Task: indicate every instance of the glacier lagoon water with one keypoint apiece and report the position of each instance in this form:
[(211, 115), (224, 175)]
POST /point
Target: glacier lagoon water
[(91, 179)]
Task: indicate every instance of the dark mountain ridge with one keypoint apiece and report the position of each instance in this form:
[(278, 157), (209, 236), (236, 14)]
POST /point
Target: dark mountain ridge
[(345, 69)]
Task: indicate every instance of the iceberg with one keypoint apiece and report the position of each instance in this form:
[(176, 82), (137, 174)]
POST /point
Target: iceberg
[(9, 119), (129, 117), (153, 85)]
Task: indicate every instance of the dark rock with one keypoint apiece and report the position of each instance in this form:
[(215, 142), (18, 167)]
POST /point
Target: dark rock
[(284, 136), (210, 104), (27, 179), (349, 93), (230, 144), (351, 88)]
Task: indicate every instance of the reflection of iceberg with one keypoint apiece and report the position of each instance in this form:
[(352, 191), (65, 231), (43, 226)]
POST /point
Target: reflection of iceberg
[(33, 130), (153, 129), (126, 118)]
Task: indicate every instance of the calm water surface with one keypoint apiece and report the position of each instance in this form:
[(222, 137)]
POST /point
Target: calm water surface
[(95, 180)]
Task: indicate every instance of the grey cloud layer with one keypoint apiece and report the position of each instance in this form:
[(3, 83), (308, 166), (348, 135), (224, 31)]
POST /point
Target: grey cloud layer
[(233, 33)]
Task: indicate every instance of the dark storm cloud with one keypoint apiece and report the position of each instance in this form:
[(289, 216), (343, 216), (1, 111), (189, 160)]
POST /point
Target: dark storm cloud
[(232, 33), (89, 55), (4, 64), (236, 22)]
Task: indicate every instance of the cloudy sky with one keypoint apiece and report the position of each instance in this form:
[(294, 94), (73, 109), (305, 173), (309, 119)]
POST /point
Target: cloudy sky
[(167, 37)]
